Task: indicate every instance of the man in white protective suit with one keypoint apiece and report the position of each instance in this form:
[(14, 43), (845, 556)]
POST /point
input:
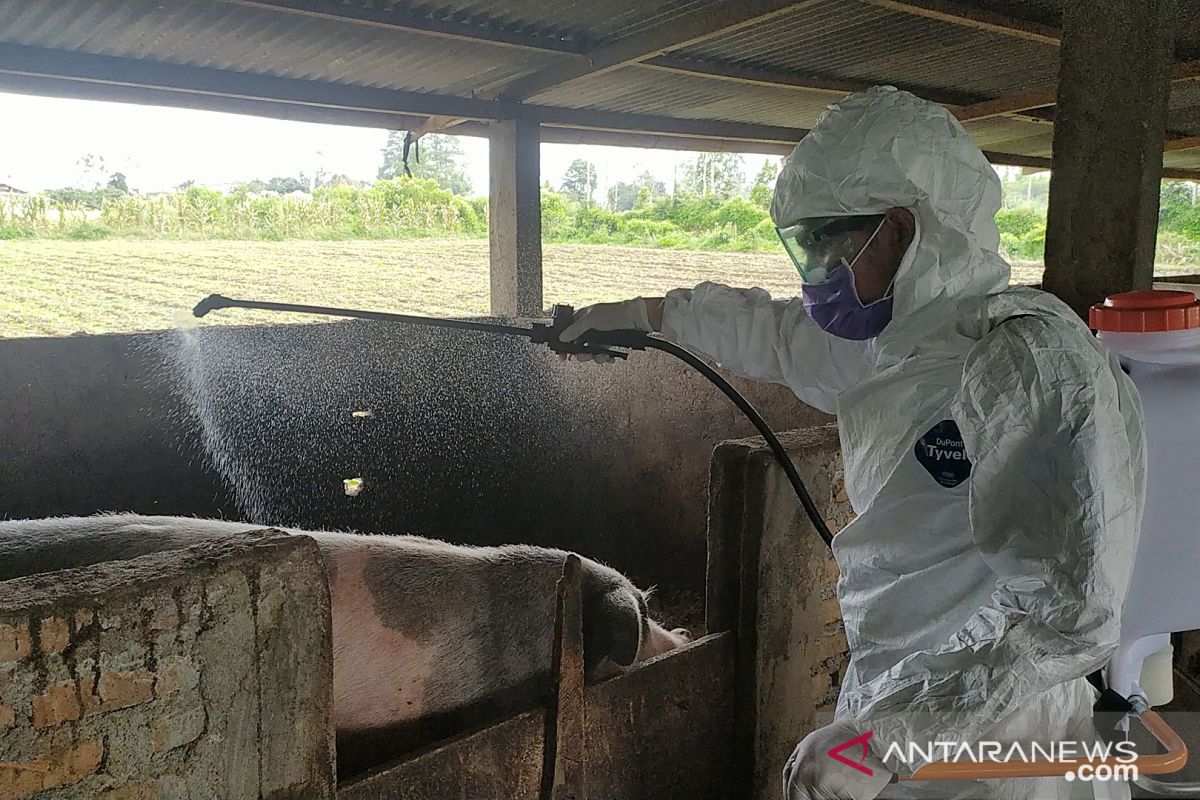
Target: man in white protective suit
[(993, 449)]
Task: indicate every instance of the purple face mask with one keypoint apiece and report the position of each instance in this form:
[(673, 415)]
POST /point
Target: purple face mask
[(835, 307)]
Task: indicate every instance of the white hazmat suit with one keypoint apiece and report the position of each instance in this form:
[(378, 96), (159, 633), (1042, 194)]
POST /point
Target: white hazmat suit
[(993, 450)]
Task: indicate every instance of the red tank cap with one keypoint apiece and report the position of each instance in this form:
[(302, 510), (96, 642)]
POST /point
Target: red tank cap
[(1151, 311)]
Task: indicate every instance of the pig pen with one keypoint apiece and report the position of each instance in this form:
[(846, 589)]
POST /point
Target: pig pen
[(501, 443)]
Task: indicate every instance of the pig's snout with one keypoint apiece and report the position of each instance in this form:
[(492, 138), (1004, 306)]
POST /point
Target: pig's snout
[(660, 641)]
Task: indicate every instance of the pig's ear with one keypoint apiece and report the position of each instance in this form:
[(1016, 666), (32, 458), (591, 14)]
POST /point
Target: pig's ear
[(612, 626)]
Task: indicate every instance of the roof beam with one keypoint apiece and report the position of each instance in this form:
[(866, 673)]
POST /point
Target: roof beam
[(34, 70), (113, 93), (408, 22), (93, 75), (974, 18), (118, 71), (670, 35), (655, 141), (648, 123), (1182, 143), (434, 124), (1041, 162), (736, 73), (1027, 101)]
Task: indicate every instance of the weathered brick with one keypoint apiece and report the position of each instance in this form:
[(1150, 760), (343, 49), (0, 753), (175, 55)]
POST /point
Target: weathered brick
[(21, 779), (58, 704), (829, 644), (61, 767), (839, 492), (178, 729), (142, 790), (167, 622), (830, 610), (88, 699), (83, 618), (124, 689), (173, 676), (831, 573), (54, 634), (15, 642), (821, 683), (8, 717)]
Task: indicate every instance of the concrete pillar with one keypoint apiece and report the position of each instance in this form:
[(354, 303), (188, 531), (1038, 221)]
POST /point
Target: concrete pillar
[(515, 218), (1113, 85)]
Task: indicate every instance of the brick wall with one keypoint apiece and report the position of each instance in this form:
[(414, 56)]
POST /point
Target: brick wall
[(202, 672)]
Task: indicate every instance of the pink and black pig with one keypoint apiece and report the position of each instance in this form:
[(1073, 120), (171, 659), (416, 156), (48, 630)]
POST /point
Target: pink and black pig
[(427, 636)]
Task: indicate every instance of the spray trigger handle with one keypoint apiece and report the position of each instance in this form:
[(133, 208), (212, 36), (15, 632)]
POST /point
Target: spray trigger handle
[(561, 317)]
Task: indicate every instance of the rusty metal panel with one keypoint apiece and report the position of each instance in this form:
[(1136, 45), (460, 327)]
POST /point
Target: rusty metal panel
[(663, 731), (790, 646), (503, 760), (659, 732)]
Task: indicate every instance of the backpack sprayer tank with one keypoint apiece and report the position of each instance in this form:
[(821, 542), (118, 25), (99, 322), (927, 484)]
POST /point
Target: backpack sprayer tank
[(1156, 335)]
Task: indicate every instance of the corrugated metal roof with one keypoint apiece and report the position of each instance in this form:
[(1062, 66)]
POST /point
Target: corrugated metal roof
[(225, 36), (843, 41), (1012, 136), (1184, 114), (584, 20), (649, 91), (864, 43)]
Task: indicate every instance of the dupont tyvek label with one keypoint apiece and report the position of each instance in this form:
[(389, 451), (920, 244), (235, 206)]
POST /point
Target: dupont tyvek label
[(940, 451)]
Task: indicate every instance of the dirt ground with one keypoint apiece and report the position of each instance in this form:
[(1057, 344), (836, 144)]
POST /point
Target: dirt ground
[(59, 288)]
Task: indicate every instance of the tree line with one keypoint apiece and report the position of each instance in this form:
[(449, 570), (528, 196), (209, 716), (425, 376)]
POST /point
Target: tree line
[(711, 205)]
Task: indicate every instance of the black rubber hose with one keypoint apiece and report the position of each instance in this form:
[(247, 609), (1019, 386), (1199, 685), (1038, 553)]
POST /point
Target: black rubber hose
[(759, 423)]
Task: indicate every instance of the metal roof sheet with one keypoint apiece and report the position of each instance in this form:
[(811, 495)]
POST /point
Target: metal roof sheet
[(844, 42), (867, 44)]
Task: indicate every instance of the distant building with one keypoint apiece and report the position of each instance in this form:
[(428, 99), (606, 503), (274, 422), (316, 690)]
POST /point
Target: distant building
[(6, 189)]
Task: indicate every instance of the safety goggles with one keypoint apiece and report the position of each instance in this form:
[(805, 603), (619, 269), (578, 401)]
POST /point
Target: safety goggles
[(819, 244)]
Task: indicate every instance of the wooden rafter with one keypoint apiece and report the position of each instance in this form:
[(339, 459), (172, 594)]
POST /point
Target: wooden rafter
[(435, 124), (670, 35), (84, 73), (590, 63), (974, 18), (735, 73), (1042, 162), (1027, 101), (1181, 143), (398, 20)]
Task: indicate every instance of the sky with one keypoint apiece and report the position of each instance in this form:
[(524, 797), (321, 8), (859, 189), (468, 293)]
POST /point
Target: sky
[(43, 138)]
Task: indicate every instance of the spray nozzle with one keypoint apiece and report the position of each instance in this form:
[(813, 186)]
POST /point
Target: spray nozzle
[(212, 303)]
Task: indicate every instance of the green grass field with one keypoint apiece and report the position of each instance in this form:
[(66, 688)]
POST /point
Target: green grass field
[(57, 288)]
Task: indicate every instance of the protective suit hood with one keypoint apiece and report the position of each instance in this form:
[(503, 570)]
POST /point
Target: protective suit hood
[(883, 148)]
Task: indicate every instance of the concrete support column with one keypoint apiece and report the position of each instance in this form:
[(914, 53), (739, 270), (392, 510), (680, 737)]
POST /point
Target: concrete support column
[(1113, 86), (515, 218)]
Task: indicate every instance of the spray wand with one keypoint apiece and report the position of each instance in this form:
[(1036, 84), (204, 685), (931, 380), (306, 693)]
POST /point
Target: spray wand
[(548, 333)]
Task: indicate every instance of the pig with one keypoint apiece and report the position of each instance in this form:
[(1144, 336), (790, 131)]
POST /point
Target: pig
[(427, 635)]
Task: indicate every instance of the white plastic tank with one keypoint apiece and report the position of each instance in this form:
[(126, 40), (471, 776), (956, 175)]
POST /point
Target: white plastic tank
[(1156, 335)]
